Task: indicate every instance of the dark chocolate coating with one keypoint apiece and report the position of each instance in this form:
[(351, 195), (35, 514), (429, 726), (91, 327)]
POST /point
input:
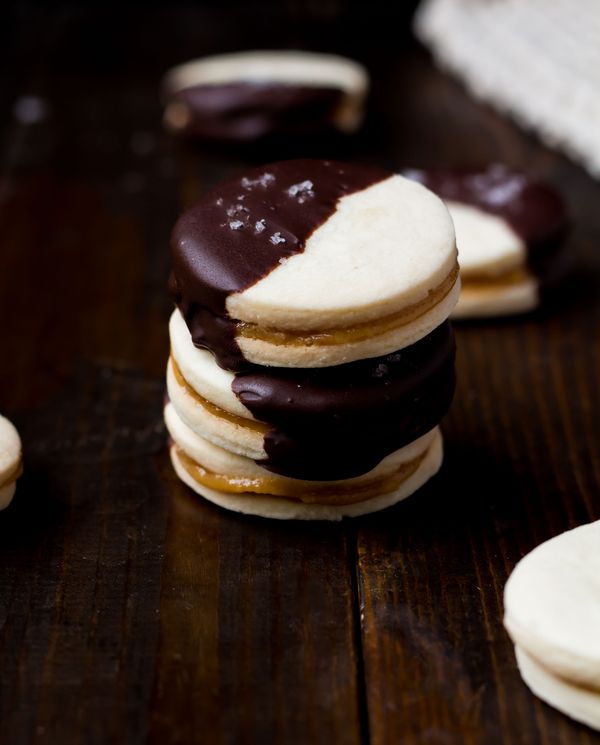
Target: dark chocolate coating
[(340, 422), (252, 110), (326, 423), (238, 233), (534, 210)]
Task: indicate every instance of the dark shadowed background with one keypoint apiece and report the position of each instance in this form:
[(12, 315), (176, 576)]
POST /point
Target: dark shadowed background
[(133, 612)]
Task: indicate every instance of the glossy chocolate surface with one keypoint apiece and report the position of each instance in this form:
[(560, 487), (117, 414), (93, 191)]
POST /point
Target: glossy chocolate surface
[(240, 231), (251, 110), (533, 209), (326, 423), (340, 422)]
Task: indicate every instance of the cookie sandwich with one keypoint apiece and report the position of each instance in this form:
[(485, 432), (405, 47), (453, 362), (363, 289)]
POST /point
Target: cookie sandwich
[(510, 232), (311, 357), (247, 96), (10, 461), (552, 613)]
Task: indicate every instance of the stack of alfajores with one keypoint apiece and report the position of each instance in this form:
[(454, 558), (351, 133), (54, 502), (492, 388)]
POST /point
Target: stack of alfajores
[(311, 356)]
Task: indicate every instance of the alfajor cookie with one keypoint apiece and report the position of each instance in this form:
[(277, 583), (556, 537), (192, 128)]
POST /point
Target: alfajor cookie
[(323, 423), (311, 359), (552, 613), (313, 263), (510, 232), (247, 96), (242, 485), (577, 702), (10, 461)]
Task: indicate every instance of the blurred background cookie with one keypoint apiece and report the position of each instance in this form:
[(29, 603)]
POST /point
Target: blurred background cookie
[(552, 613), (510, 233), (246, 96), (10, 461)]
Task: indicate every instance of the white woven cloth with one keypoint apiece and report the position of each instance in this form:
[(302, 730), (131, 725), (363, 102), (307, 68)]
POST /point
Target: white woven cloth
[(538, 60)]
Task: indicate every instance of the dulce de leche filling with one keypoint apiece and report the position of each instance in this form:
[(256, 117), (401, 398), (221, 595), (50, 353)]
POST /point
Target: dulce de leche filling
[(356, 333), (335, 493), (213, 408), (510, 279)]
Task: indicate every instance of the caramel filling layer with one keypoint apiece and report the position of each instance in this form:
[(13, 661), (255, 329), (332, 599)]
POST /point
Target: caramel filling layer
[(359, 332), (510, 279), (13, 474), (336, 493), (213, 408)]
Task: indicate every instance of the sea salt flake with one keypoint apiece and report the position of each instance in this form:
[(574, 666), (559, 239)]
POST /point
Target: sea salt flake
[(504, 193), (236, 224), (302, 189), (277, 238), (263, 180), (260, 225), (236, 209)]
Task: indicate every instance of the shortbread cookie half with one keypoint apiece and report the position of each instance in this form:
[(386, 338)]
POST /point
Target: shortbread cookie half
[(296, 509), (313, 264), (581, 704), (552, 605)]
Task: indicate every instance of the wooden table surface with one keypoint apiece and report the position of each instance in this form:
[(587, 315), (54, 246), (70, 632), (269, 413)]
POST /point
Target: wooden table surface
[(131, 611)]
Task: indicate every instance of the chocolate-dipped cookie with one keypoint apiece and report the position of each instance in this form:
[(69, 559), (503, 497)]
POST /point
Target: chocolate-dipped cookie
[(247, 96), (311, 263), (316, 393), (510, 232), (320, 423)]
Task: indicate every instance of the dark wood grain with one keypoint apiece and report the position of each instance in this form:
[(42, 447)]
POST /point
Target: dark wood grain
[(522, 459), (257, 633), (131, 612)]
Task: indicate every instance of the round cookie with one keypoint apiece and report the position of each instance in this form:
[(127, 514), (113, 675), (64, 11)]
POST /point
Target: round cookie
[(510, 231), (347, 262), (330, 423), (552, 605), (235, 473), (246, 96), (290, 509), (577, 702), (10, 461)]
